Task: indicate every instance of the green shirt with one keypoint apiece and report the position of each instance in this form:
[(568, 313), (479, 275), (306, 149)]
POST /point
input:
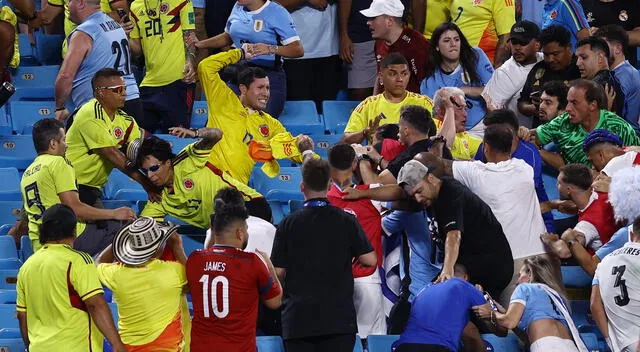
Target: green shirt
[(569, 137)]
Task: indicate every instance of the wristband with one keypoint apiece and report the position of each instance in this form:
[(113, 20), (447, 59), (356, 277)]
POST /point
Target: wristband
[(60, 109), (196, 130), (307, 153)]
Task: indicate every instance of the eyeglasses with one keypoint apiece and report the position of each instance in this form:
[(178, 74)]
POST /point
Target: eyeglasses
[(115, 89), (152, 168)]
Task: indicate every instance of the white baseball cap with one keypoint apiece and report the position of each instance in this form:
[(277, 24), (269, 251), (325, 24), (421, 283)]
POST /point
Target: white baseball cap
[(392, 8)]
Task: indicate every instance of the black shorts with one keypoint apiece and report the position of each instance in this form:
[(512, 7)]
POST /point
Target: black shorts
[(325, 343), (313, 79), (167, 106), (97, 236), (421, 347), (134, 108)]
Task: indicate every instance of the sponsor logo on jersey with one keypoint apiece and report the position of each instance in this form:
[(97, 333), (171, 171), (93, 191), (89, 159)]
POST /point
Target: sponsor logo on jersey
[(264, 130), (258, 25), (623, 16), (118, 132), (188, 183), (164, 8)]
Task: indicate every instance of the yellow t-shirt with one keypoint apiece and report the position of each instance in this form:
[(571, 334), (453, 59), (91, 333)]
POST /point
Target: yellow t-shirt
[(93, 129), (70, 26), (161, 35), (465, 146), (195, 184), (42, 182), (52, 286), (482, 21), (7, 15), (437, 12), (148, 297), (371, 107), (239, 125)]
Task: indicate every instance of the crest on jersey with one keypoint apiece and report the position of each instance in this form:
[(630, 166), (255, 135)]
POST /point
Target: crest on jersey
[(477, 2), (258, 25), (623, 16), (164, 7), (188, 183), (539, 73), (118, 132), (553, 14), (590, 17), (264, 130)]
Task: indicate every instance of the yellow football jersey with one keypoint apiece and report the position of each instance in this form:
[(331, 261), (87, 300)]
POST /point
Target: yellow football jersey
[(371, 107), (52, 286), (93, 129), (239, 125), (482, 21), (42, 182), (437, 12), (7, 15), (195, 184), (160, 24)]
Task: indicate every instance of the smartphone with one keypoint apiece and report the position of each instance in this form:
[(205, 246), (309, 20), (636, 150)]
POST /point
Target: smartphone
[(455, 102), (124, 15)]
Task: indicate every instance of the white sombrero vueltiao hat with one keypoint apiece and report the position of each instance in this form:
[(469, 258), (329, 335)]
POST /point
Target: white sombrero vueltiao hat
[(139, 241)]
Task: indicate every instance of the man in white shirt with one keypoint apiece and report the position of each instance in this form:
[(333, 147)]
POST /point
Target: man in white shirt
[(505, 85), (615, 295)]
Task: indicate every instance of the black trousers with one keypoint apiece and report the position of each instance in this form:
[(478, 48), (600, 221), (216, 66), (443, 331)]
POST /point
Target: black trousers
[(324, 343), (313, 79), (420, 347)]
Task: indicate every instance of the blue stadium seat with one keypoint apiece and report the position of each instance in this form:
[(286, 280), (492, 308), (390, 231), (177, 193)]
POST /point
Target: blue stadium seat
[(336, 114), (25, 248), (8, 296), (5, 123), (190, 244), (199, 114), (323, 142), (581, 313), (24, 114), (10, 185), (269, 344), (114, 312), (49, 48), (301, 117), (357, 347), (121, 187), (501, 344), (549, 179), (9, 211), (8, 317), (4, 229), (177, 143), (278, 190), (11, 340), (574, 276), (17, 151), (8, 248), (8, 280), (591, 341), (27, 54), (113, 204), (380, 343), (342, 95), (34, 82)]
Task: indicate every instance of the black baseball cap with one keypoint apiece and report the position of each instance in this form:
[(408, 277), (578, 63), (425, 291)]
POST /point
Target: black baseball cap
[(524, 31)]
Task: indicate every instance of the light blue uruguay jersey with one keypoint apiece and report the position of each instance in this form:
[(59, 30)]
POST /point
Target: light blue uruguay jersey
[(110, 48)]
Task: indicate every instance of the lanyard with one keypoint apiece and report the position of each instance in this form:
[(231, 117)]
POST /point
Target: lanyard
[(316, 203)]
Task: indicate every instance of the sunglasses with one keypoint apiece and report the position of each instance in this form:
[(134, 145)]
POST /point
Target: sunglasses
[(152, 168), (115, 89)]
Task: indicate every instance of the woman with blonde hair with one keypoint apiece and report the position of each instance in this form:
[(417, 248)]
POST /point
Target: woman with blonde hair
[(539, 309)]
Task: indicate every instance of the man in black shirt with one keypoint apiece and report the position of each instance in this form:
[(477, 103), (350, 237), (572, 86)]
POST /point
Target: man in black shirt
[(312, 252), (625, 13), (471, 234), (415, 128), (559, 64), (593, 63)]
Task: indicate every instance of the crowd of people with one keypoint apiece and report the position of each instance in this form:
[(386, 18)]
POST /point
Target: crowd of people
[(439, 174)]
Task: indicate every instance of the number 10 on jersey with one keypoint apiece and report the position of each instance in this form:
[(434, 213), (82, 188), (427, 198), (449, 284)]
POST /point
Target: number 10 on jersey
[(210, 299)]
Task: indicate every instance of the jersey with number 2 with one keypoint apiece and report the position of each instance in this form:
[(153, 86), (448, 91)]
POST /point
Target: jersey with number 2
[(226, 284), (619, 278)]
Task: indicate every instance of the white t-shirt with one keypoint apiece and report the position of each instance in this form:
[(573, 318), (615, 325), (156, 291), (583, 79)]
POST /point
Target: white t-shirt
[(261, 235), (507, 81), (618, 276), (508, 188), (618, 163)]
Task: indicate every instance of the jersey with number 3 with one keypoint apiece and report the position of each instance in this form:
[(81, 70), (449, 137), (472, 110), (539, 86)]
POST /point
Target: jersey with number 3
[(482, 21), (109, 48), (619, 278), (226, 284)]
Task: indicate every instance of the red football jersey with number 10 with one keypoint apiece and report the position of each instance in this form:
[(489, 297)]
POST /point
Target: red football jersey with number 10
[(226, 284)]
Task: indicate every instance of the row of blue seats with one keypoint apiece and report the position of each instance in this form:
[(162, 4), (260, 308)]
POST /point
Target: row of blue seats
[(46, 49), (298, 116)]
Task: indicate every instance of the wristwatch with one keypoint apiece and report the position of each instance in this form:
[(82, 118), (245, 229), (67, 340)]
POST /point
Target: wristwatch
[(365, 157)]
